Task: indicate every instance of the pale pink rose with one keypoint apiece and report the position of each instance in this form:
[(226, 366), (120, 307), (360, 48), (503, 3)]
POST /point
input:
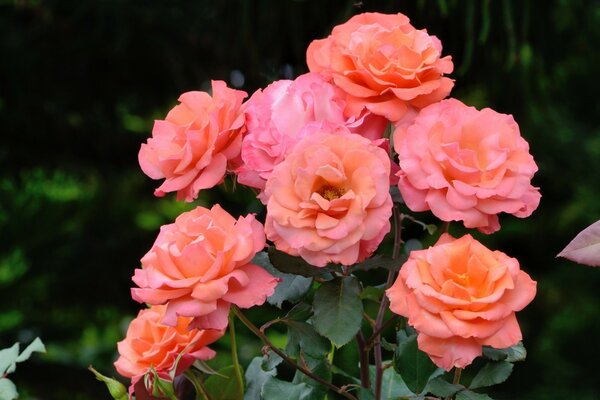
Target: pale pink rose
[(150, 344), (276, 118), (383, 64), (329, 200), (201, 264), (193, 146), (466, 165), (460, 296)]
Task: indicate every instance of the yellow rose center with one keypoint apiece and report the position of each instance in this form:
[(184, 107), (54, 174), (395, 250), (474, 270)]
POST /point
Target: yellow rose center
[(329, 192)]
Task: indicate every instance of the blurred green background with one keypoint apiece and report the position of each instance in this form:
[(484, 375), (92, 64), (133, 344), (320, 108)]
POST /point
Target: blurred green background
[(82, 81)]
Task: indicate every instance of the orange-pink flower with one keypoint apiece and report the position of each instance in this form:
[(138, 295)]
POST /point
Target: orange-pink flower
[(150, 344), (193, 146), (383, 64), (465, 165), (460, 296), (201, 264), (329, 200)]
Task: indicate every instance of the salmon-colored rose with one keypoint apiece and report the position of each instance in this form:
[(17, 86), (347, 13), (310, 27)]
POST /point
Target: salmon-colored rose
[(276, 118), (329, 200), (192, 147), (383, 64), (466, 165), (460, 296), (200, 265), (150, 344)]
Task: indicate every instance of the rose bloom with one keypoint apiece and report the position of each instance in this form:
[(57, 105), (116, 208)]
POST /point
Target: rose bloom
[(192, 147), (150, 344), (201, 264), (276, 116), (383, 63), (329, 200), (460, 296), (466, 165)]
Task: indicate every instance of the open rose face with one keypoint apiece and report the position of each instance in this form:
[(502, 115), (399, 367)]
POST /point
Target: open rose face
[(329, 200), (460, 296)]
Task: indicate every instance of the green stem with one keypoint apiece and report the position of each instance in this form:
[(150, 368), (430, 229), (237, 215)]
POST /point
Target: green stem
[(286, 358), (234, 356), (201, 393)]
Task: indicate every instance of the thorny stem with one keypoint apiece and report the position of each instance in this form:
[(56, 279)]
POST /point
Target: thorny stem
[(384, 304), (363, 352), (285, 357), (371, 340)]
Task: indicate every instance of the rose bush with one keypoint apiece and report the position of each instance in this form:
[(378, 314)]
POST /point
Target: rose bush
[(201, 264), (193, 146), (329, 200), (151, 344), (383, 64), (465, 165), (460, 296)]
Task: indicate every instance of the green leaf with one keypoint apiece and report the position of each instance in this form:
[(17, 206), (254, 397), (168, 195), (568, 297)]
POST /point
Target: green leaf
[(116, 389), (300, 312), (302, 336), (511, 354), (338, 309), (320, 367), (291, 287), (365, 394), (372, 293), (36, 346), (270, 360), (469, 395), (8, 359), (256, 376), (223, 385), (412, 364), (378, 261), (293, 265), (8, 390), (203, 367), (442, 388), (392, 384), (492, 374), (275, 389)]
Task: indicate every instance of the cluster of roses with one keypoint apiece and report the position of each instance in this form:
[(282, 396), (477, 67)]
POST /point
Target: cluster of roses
[(316, 150)]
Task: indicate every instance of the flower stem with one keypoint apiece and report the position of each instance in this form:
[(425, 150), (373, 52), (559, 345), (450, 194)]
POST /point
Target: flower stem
[(384, 305), (201, 393), (285, 357), (457, 372), (363, 352), (234, 356)]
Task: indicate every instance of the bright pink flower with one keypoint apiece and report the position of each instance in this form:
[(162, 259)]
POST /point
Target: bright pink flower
[(466, 165), (201, 264), (192, 147), (276, 118), (383, 64), (150, 344), (329, 200), (460, 296)]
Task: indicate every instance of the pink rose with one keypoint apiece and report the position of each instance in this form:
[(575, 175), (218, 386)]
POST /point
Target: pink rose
[(466, 165), (150, 344), (460, 296), (329, 200), (192, 147), (276, 116), (383, 64), (201, 264)]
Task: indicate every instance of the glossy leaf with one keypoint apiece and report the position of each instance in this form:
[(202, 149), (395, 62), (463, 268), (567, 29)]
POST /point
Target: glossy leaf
[(442, 388), (303, 336), (392, 384), (338, 309), (35, 346), (492, 374), (585, 247), (8, 390), (512, 354), (275, 389), (412, 364), (300, 312), (223, 386), (470, 395), (291, 287), (8, 359), (256, 376), (320, 367), (377, 261), (293, 265)]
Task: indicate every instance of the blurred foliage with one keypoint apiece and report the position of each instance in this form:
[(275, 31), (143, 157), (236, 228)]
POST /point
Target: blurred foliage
[(81, 82)]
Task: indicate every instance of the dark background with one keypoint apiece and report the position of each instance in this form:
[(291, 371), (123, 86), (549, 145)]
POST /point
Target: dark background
[(82, 81)]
